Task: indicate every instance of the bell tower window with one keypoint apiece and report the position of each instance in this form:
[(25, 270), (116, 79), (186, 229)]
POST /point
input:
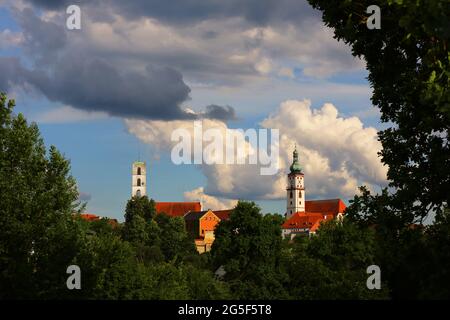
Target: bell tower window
[(138, 179)]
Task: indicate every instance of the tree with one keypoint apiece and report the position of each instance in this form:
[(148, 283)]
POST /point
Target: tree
[(409, 71), (175, 241), (203, 286), (140, 206), (408, 66), (332, 264), (248, 246), (37, 199), (103, 226), (434, 285), (140, 228)]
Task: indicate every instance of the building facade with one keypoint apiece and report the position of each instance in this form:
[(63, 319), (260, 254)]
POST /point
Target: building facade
[(304, 217), (296, 188), (201, 225)]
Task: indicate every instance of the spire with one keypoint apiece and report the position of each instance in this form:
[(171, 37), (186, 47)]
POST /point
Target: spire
[(295, 166)]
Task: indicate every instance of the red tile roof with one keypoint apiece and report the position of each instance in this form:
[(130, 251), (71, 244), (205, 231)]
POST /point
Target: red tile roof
[(89, 216), (223, 214), (303, 220), (326, 207), (93, 217), (177, 209), (316, 211)]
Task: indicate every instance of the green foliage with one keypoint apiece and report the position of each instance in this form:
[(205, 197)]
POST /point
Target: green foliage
[(437, 260), (152, 257), (103, 227), (409, 70), (37, 198), (332, 264), (409, 67), (140, 228), (175, 241), (135, 230), (203, 286), (140, 206)]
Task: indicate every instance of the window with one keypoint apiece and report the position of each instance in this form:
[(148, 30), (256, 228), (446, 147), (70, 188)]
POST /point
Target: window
[(139, 171), (139, 182), (138, 193), (291, 194)]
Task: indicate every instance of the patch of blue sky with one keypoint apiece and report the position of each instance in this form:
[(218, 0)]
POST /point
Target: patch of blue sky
[(7, 20)]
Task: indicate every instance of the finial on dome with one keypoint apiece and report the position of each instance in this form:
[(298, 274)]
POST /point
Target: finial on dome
[(295, 166)]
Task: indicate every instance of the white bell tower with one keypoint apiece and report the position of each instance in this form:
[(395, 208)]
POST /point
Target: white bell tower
[(139, 181), (295, 188)]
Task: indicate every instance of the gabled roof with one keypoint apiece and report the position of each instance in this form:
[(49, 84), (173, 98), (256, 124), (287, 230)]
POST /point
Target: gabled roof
[(194, 215), (315, 212), (223, 214), (326, 207), (177, 209), (304, 220)]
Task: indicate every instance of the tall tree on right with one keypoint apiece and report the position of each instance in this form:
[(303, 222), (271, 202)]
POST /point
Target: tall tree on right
[(409, 70)]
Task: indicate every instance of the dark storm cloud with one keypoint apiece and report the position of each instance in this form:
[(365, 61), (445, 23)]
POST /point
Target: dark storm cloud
[(42, 40), (95, 84), (73, 76), (259, 12), (54, 4), (11, 73), (221, 113)]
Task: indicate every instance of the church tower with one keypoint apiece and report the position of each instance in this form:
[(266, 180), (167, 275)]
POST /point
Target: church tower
[(138, 181), (295, 188)]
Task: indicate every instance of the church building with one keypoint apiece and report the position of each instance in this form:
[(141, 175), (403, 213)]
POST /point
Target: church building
[(138, 179), (139, 188), (302, 216)]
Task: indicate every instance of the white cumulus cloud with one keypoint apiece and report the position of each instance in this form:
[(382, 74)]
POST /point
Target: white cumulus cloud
[(66, 114), (209, 202), (9, 38), (337, 154)]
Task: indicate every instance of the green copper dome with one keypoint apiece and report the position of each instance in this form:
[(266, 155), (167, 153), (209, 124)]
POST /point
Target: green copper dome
[(295, 166)]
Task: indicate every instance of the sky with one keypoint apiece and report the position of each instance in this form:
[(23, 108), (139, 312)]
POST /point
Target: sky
[(114, 91)]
